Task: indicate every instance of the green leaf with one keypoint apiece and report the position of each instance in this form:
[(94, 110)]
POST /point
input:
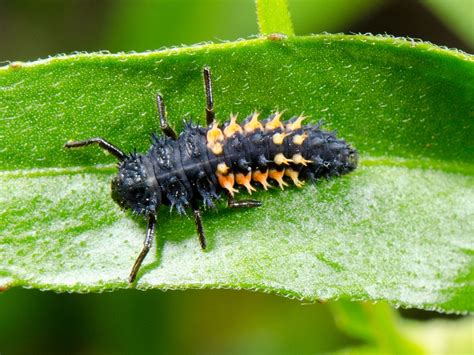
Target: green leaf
[(273, 17), (398, 229)]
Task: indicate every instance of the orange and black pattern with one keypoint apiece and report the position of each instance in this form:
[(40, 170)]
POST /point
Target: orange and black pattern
[(203, 162)]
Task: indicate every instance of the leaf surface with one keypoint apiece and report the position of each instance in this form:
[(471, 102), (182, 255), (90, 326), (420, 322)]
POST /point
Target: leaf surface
[(398, 229)]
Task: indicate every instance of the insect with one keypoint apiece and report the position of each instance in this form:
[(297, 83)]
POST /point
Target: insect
[(202, 163)]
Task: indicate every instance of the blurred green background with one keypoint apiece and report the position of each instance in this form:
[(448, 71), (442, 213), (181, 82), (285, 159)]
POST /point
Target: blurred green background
[(204, 321), (31, 29)]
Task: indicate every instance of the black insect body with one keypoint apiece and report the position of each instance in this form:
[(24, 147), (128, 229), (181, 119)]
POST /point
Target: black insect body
[(194, 168)]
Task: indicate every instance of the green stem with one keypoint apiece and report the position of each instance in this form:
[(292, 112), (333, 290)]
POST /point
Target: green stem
[(273, 17), (377, 325)]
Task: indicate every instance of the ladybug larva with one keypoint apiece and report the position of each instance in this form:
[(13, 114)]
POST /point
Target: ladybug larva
[(200, 164)]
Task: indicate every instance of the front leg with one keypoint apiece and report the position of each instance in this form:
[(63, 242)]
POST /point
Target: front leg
[(150, 234), (165, 127), (109, 147)]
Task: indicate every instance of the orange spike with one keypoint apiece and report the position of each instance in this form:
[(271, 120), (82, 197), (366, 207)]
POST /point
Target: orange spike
[(214, 134), (281, 159), (244, 180), (278, 177), (215, 138), (253, 124), (233, 127), (298, 139), (222, 168), (227, 182), (279, 137), (275, 122), (298, 159), (217, 148), (294, 176), (260, 177), (297, 124)]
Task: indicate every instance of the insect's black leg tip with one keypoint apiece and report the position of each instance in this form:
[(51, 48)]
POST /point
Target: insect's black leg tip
[(202, 241), (159, 99), (133, 275), (252, 203), (69, 144), (243, 203)]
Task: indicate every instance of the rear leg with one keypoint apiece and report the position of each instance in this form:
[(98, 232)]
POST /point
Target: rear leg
[(210, 115), (199, 228), (233, 203)]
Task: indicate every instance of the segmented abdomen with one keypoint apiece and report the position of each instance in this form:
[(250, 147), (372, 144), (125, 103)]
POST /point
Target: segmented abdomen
[(203, 161)]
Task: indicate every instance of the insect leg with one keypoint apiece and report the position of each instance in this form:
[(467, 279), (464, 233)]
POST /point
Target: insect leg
[(102, 143), (150, 233), (210, 115), (163, 122), (199, 229), (233, 203)]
